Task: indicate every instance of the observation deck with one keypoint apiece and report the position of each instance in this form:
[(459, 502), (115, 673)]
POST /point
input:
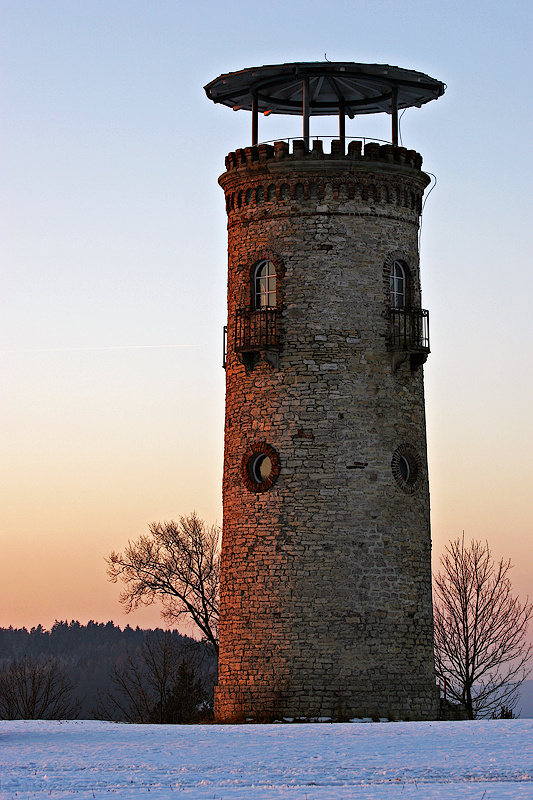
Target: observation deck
[(326, 88)]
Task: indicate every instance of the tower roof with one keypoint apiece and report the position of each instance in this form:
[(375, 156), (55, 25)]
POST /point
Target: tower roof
[(330, 86)]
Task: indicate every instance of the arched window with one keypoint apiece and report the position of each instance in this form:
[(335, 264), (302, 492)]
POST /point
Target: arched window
[(397, 285), (265, 285)]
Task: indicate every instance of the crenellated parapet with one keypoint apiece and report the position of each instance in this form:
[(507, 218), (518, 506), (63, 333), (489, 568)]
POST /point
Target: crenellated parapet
[(280, 151), (372, 175)]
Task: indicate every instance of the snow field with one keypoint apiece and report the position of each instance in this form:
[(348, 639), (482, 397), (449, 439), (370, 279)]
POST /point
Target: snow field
[(446, 760)]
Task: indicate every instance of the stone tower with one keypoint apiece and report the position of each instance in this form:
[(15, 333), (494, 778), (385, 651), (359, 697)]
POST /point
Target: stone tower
[(326, 585)]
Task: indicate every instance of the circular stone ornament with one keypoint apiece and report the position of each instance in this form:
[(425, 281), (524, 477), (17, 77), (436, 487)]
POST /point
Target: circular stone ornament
[(406, 468), (260, 467)]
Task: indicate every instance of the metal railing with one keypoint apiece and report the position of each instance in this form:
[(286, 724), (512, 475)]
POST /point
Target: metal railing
[(347, 139), (256, 329), (409, 329)]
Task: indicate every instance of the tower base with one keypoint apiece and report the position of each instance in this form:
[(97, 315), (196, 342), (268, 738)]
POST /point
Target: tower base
[(234, 704)]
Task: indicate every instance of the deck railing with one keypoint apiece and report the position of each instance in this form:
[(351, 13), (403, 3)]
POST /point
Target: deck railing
[(256, 329), (409, 329)]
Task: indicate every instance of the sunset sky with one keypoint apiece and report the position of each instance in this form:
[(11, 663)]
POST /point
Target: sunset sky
[(113, 287)]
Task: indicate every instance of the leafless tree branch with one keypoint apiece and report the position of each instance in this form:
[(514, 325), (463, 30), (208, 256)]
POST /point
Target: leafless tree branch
[(480, 630), (160, 684), (36, 689), (177, 564)]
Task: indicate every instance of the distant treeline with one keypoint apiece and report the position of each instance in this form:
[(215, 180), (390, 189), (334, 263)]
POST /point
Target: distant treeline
[(91, 655)]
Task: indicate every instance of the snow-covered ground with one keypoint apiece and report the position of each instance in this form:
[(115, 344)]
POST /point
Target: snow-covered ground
[(445, 760)]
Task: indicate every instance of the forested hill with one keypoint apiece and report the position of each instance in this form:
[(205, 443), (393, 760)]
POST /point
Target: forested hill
[(88, 654), (67, 640)]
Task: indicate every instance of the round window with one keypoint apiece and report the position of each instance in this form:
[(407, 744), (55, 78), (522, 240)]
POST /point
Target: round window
[(406, 467), (260, 467)]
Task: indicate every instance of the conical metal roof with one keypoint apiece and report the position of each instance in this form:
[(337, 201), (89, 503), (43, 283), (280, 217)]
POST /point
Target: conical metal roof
[(355, 88)]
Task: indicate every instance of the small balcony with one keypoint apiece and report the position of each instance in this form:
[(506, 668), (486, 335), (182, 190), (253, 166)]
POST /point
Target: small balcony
[(409, 336), (256, 330)]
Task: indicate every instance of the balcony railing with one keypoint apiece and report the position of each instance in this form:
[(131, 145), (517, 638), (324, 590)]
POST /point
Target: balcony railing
[(256, 329), (409, 330)]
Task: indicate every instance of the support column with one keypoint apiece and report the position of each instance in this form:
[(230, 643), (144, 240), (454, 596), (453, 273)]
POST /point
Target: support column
[(255, 119), (306, 111), (342, 126), (395, 116)]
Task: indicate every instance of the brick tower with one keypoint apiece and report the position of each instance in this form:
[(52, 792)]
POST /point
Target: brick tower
[(326, 584)]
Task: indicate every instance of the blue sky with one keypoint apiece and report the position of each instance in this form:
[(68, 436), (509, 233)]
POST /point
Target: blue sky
[(114, 262)]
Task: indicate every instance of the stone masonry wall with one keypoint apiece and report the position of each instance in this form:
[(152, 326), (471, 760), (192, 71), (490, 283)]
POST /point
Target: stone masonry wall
[(326, 583)]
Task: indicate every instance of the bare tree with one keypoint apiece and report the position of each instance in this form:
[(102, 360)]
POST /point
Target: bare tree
[(178, 564), (160, 684), (480, 630), (36, 689)]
